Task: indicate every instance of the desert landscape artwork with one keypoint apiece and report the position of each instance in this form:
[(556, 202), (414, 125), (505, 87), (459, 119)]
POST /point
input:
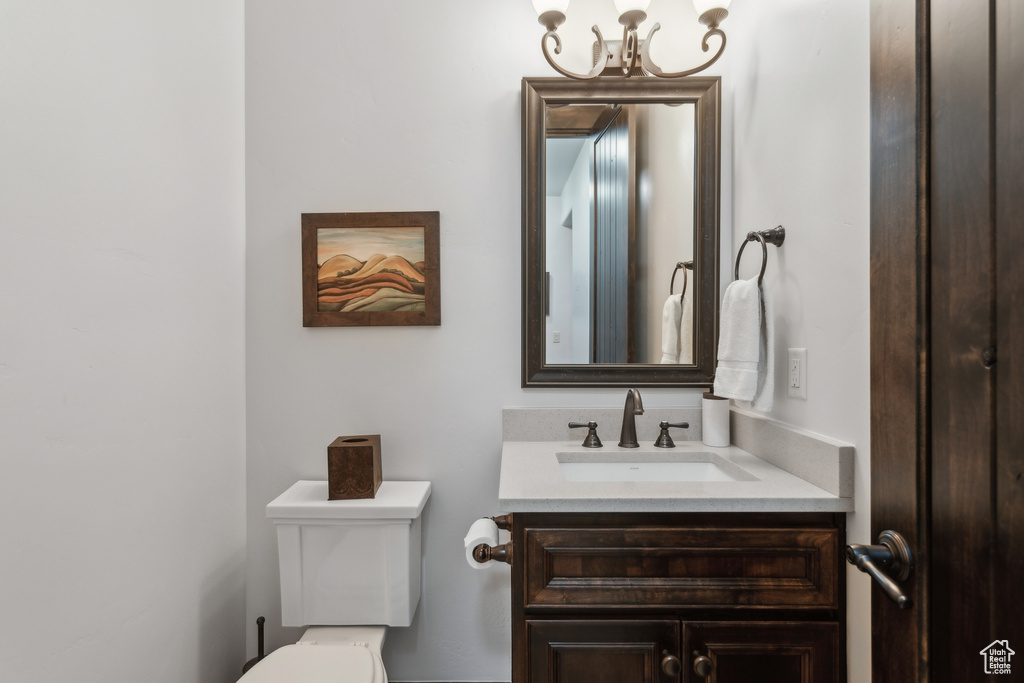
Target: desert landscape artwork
[(370, 269)]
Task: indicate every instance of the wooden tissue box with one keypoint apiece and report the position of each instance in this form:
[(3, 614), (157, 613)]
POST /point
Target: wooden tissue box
[(353, 467)]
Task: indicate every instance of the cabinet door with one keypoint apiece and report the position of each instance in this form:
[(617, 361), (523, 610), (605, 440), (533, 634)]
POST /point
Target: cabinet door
[(601, 651), (766, 652)]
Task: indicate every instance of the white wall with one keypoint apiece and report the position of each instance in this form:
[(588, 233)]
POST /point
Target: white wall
[(389, 106), (579, 194), (799, 90), (558, 240), (392, 106), (665, 234), (121, 340)]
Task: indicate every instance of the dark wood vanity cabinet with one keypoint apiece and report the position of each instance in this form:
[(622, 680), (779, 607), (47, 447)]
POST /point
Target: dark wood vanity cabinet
[(669, 597), (599, 650)]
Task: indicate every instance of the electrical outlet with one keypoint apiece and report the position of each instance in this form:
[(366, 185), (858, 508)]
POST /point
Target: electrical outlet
[(797, 373), (556, 337)]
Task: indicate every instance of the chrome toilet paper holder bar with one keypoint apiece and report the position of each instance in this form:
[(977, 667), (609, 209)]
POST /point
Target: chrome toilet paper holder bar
[(499, 553)]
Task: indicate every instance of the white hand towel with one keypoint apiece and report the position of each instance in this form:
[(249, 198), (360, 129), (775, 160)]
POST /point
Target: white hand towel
[(739, 341), (766, 357), (670, 314), (746, 346), (686, 329)]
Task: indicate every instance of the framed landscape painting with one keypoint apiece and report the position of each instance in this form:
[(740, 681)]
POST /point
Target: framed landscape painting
[(371, 269)]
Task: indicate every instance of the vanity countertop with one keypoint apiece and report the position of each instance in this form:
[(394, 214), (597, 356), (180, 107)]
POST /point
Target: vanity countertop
[(532, 480)]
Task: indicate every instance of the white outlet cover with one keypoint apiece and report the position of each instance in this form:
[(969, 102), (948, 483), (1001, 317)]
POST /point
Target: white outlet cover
[(797, 372)]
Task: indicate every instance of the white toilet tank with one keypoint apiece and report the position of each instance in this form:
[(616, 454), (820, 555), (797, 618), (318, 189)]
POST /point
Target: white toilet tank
[(347, 562)]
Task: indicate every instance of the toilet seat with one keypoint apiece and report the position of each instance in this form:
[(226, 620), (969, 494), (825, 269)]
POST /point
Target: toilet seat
[(307, 663)]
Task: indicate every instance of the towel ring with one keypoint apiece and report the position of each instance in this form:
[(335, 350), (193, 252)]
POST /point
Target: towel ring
[(776, 236), (685, 265)]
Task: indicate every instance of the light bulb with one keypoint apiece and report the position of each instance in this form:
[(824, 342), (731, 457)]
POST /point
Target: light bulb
[(542, 6), (703, 6), (623, 6)]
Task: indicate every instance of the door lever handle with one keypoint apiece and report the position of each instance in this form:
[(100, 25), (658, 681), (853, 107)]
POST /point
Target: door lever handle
[(891, 553)]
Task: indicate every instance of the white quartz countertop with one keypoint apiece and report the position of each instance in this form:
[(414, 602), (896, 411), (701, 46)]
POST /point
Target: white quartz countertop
[(532, 481)]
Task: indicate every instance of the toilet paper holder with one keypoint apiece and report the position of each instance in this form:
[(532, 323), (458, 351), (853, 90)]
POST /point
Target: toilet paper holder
[(499, 553)]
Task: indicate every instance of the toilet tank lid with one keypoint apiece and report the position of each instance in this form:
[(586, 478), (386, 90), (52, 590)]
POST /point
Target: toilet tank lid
[(308, 500)]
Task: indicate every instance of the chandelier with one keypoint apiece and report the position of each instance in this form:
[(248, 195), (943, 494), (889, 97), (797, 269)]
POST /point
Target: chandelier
[(631, 54)]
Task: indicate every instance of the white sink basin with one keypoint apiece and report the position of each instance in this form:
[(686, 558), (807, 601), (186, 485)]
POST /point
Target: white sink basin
[(643, 471), (649, 467)]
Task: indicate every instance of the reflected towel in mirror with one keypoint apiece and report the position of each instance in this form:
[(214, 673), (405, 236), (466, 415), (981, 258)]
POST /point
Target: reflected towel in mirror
[(671, 314), (677, 329)]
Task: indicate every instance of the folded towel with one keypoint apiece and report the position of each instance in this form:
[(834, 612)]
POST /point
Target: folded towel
[(745, 346), (686, 329), (739, 341), (766, 357), (670, 315)]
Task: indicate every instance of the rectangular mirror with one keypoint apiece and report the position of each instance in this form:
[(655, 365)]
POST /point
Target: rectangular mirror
[(620, 188)]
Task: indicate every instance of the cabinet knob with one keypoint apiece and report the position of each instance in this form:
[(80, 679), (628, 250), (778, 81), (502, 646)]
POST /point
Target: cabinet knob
[(670, 664), (702, 666)]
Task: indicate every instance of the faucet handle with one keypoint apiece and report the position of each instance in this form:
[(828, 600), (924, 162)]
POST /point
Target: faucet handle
[(664, 440), (592, 441)]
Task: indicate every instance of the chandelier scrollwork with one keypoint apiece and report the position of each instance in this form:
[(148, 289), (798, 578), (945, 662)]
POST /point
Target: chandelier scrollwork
[(631, 54)]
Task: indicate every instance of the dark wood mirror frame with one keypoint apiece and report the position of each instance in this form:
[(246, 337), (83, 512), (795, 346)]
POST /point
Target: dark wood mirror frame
[(705, 94)]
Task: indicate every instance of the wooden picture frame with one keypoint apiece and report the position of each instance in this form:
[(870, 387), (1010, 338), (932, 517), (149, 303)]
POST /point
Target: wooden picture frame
[(367, 269)]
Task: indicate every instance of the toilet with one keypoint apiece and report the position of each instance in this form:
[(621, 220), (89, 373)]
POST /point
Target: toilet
[(349, 569)]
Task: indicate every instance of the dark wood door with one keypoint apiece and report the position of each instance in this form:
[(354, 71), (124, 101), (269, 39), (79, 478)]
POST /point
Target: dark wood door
[(601, 651), (947, 353), (765, 652), (614, 236)]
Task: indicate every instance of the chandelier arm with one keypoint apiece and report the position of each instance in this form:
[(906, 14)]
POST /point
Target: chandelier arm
[(598, 66), (630, 54), (655, 70)]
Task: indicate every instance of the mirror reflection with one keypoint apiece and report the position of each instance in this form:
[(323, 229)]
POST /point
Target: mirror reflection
[(619, 186), (620, 183)]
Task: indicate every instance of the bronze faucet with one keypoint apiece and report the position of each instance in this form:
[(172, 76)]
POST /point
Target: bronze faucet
[(634, 406)]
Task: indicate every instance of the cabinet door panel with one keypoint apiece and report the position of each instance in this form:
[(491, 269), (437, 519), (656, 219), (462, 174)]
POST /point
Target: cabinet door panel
[(599, 651), (766, 652), (724, 568)]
